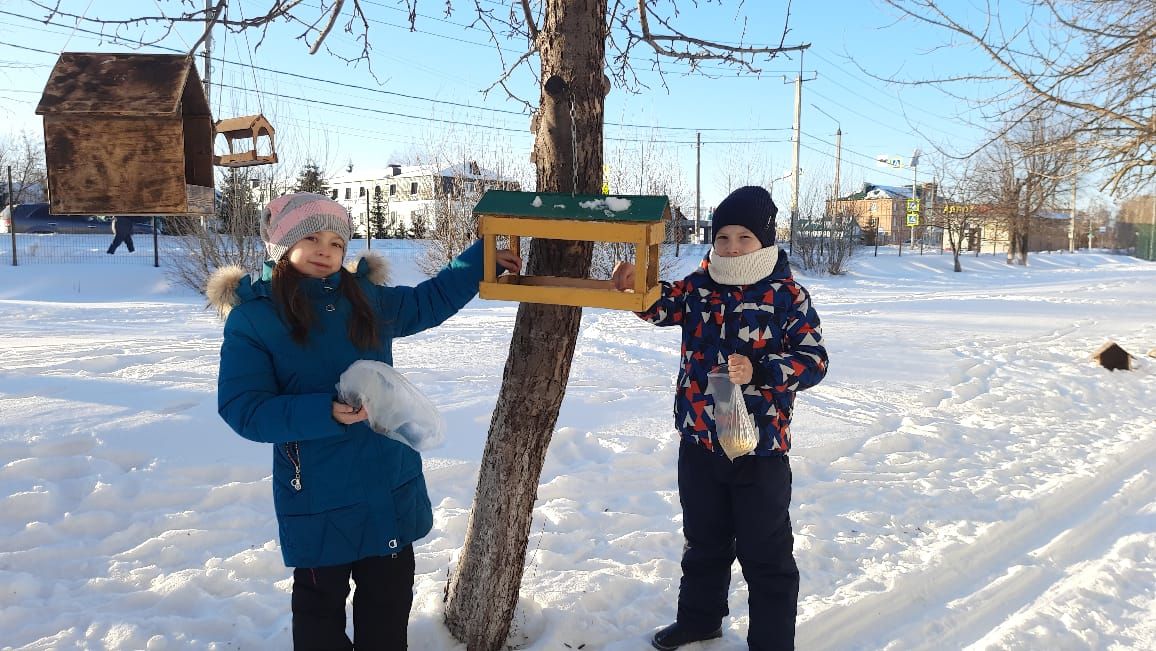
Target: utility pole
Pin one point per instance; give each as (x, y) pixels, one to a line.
(697, 185)
(797, 135)
(1089, 231)
(209, 19)
(914, 190)
(1072, 226)
(838, 160)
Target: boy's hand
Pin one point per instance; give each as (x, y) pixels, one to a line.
(509, 261)
(623, 276)
(740, 369)
(347, 415)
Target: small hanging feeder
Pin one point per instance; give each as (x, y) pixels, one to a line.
(255, 128)
(633, 219)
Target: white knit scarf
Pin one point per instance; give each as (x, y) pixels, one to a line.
(743, 269)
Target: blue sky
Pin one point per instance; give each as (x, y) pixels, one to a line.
(429, 82)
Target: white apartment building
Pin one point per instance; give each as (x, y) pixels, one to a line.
(411, 191)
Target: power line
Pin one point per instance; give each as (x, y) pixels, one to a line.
(222, 60)
(520, 114)
(872, 169)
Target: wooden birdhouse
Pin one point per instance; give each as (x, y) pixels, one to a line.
(127, 134)
(1112, 357)
(249, 139)
(633, 219)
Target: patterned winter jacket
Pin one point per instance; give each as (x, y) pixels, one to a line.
(341, 493)
(771, 322)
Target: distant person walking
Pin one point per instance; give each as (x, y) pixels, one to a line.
(122, 232)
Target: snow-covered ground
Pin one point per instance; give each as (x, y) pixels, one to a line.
(965, 477)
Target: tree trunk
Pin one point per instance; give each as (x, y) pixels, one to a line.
(483, 592)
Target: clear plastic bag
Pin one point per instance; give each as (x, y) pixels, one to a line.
(734, 425)
(396, 408)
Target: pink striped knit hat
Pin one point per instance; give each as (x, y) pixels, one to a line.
(290, 217)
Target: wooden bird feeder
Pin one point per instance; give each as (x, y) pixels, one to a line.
(254, 128)
(634, 219)
(127, 134)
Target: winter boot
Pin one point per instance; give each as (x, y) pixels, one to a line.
(676, 635)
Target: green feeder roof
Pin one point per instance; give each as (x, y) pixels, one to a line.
(583, 207)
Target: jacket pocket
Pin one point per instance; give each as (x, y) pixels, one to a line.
(412, 509)
(330, 475)
(323, 539)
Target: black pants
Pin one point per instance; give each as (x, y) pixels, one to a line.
(121, 237)
(737, 509)
(381, 604)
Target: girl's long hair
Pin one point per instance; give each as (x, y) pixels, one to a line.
(298, 313)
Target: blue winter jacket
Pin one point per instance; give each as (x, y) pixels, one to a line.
(771, 322)
(341, 493)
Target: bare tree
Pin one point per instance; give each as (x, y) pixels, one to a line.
(1020, 176)
(1089, 62)
(232, 239)
(24, 154)
(582, 47)
(739, 166)
(645, 166)
(1045, 161)
(959, 208)
(823, 237)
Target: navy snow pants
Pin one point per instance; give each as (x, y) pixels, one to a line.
(737, 509)
(381, 604)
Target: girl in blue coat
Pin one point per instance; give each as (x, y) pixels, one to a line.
(349, 502)
(742, 309)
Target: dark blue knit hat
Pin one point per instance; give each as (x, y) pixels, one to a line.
(751, 207)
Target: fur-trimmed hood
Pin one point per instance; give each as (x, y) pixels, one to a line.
(228, 286)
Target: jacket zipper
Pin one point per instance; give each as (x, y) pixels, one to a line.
(293, 453)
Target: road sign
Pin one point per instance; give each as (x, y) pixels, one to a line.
(913, 212)
(889, 161)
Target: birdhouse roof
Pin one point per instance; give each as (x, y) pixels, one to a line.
(1110, 345)
(582, 207)
(243, 124)
(124, 84)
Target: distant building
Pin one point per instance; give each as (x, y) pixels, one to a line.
(881, 213)
(1137, 226)
(410, 192)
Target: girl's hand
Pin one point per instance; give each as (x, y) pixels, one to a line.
(347, 415)
(740, 369)
(623, 276)
(509, 261)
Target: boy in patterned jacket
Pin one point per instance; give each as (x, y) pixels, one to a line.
(741, 308)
